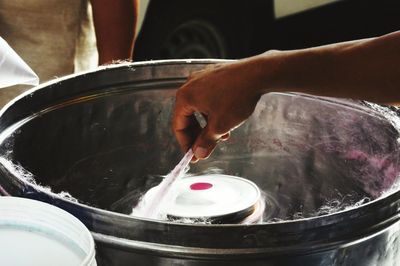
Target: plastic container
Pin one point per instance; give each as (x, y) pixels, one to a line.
(38, 234)
(13, 70)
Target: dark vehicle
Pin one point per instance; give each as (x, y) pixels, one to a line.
(236, 29)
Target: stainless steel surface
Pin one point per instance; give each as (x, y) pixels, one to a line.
(105, 138)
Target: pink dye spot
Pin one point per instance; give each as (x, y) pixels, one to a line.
(200, 186)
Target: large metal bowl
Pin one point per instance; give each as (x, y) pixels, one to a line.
(328, 167)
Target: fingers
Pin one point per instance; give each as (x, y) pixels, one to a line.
(185, 127)
(225, 136)
(205, 144)
(190, 134)
(194, 97)
(184, 123)
(187, 136)
(207, 141)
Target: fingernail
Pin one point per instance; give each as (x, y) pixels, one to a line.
(200, 152)
(194, 160)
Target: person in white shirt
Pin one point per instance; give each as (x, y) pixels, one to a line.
(58, 37)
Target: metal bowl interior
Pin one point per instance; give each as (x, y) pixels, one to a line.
(105, 138)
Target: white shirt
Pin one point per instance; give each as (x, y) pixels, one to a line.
(54, 37)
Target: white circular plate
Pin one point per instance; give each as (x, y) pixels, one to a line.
(209, 196)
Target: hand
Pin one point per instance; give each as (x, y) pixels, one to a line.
(225, 94)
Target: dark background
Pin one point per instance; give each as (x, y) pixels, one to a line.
(237, 29)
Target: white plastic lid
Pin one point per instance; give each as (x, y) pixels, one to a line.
(39, 234)
(209, 196)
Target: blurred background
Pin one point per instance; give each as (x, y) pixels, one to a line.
(57, 38)
(237, 29)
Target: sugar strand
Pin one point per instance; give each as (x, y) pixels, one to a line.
(161, 195)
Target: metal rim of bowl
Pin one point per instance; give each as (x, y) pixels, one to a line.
(333, 229)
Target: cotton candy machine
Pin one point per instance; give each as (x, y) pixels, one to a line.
(327, 169)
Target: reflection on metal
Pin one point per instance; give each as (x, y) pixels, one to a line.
(105, 137)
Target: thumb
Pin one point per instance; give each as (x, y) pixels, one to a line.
(205, 143)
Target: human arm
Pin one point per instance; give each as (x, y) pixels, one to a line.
(227, 94)
(115, 25)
